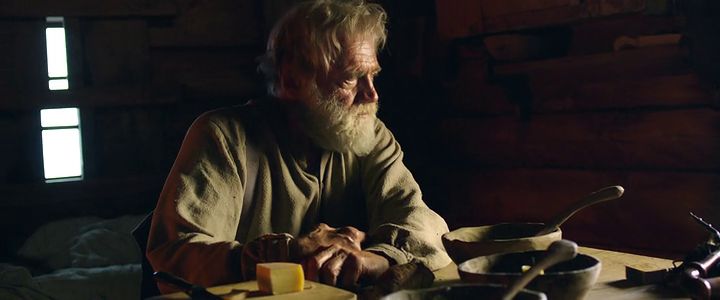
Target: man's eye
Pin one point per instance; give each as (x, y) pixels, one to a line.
(349, 82)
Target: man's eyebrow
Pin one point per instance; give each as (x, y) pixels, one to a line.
(355, 71)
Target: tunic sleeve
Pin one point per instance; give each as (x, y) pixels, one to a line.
(401, 225)
(196, 218)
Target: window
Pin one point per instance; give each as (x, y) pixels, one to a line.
(61, 142)
(61, 135)
(56, 54)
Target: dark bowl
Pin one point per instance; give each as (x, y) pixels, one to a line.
(567, 280)
(470, 242)
(463, 291)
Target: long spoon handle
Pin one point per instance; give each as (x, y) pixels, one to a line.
(559, 251)
(605, 194)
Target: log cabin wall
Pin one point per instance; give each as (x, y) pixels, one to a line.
(548, 101)
(506, 110)
(140, 72)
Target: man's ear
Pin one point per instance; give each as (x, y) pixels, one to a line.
(290, 86)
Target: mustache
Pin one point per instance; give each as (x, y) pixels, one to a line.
(363, 109)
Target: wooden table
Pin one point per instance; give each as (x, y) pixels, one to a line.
(313, 291)
(611, 283)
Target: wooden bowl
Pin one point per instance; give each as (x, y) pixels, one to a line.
(469, 242)
(463, 291)
(567, 280)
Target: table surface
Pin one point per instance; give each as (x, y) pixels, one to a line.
(313, 291)
(611, 283)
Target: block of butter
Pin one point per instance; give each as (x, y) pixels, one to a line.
(280, 278)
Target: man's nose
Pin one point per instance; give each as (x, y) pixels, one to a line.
(366, 90)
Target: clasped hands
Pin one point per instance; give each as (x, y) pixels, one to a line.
(334, 256)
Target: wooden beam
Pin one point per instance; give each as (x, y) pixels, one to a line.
(660, 140)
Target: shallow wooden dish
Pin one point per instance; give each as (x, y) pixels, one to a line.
(568, 280)
(470, 242)
(463, 291)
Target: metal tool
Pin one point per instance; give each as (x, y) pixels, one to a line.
(714, 232)
(196, 292)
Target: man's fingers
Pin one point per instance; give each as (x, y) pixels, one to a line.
(330, 270)
(346, 242)
(350, 274)
(313, 264)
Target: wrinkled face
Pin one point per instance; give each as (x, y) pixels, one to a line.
(342, 107)
(351, 79)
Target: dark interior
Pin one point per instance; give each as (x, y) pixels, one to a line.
(507, 111)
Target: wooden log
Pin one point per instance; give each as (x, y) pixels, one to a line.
(211, 23)
(118, 132)
(532, 19)
(467, 18)
(23, 63)
(661, 140)
(520, 47)
(557, 78)
(665, 91)
(493, 8)
(630, 64)
(475, 97)
(200, 73)
(21, 147)
(116, 52)
(459, 18)
(651, 217)
(597, 35)
(86, 8)
(588, 36)
(598, 8)
(75, 51)
(625, 42)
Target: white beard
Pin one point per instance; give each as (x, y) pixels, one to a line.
(335, 127)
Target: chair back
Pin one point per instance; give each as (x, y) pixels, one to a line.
(148, 287)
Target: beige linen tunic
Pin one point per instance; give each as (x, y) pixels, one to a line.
(198, 229)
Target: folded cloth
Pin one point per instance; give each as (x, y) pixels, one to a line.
(84, 242)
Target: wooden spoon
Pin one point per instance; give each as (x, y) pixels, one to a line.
(559, 251)
(605, 194)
